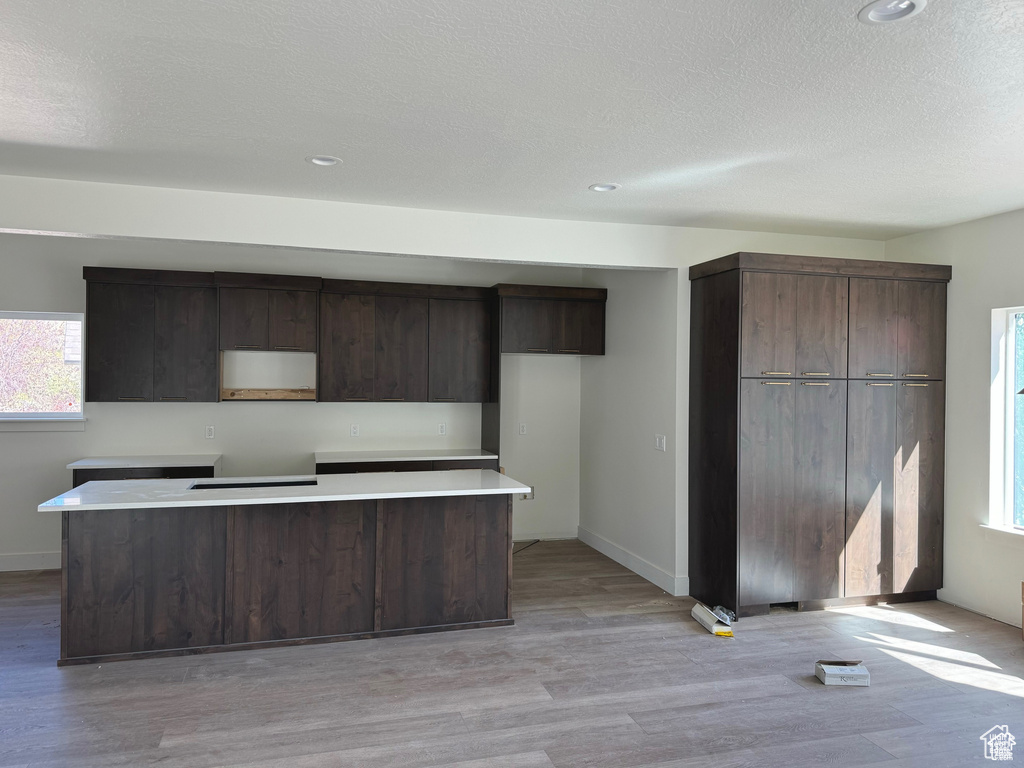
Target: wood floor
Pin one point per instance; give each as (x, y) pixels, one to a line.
(602, 669)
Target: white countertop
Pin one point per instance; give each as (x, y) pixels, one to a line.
(132, 462)
(152, 494)
(353, 457)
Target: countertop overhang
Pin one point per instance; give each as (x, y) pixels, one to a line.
(162, 494)
(144, 462)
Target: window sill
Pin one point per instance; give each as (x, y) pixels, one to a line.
(42, 425)
(1004, 533)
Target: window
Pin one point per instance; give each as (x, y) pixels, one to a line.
(1015, 415)
(40, 366)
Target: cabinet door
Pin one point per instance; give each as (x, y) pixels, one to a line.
(345, 361)
(768, 325)
(446, 561)
(918, 513)
(460, 351)
(578, 327)
(767, 491)
(400, 364)
(922, 330)
(870, 463)
(527, 325)
(292, 321)
(820, 495)
(185, 366)
(244, 318)
(874, 318)
(119, 342)
(822, 316)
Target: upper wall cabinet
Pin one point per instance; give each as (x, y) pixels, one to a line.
(150, 335)
(459, 355)
(793, 325)
(281, 317)
(921, 343)
(400, 348)
(347, 336)
(552, 320)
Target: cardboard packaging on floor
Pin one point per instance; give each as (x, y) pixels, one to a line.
(842, 672)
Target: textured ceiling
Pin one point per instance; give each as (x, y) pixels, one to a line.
(786, 116)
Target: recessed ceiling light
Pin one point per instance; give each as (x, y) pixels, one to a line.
(884, 11)
(606, 187)
(324, 160)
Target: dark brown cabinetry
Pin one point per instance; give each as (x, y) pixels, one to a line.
(347, 335)
(552, 320)
(119, 342)
(153, 340)
(816, 430)
(459, 355)
(425, 465)
(400, 349)
(262, 319)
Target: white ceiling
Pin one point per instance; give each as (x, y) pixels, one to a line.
(787, 115)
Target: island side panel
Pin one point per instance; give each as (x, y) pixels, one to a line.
(446, 561)
(302, 570)
(144, 580)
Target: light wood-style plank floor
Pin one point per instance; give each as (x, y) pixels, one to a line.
(601, 669)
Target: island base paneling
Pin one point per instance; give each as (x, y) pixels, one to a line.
(158, 582)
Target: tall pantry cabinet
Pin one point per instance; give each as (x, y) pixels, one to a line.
(816, 430)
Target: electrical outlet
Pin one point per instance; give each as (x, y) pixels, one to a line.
(659, 442)
(522, 428)
(442, 429)
(209, 432)
(354, 430)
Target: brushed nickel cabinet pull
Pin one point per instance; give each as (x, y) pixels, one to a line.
(391, 399)
(915, 385)
(881, 374)
(813, 373)
(445, 399)
(536, 349)
(357, 398)
(776, 373)
(173, 398)
(915, 375)
(132, 398)
(776, 383)
(815, 384)
(881, 384)
(569, 351)
(283, 347)
(247, 346)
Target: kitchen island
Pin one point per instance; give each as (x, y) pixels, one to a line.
(169, 567)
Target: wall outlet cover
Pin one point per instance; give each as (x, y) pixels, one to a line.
(354, 430)
(522, 428)
(659, 443)
(442, 429)
(210, 432)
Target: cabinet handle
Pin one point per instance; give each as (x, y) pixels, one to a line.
(132, 398)
(287, 347)
(915, 375)
(776, 373)
(173, 398)
(882, 384)
(391, 399)
(357, 398)
(247, 346)
(915, 385)
(776, 383)
(881, 374)
(569, 351)
(815, 384)
(813, 373)
(536, 349)
(445, 399)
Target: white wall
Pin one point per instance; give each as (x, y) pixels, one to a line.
(630, 505)
(983, 568)
(542, 392)
(509, 245)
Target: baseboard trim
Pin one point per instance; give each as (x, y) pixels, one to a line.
(678, 586)
(30, 561)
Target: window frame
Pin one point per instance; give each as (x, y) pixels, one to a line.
(49, 417)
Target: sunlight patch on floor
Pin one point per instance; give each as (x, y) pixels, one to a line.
(890, 616)
(996, 682)
(927, 649)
